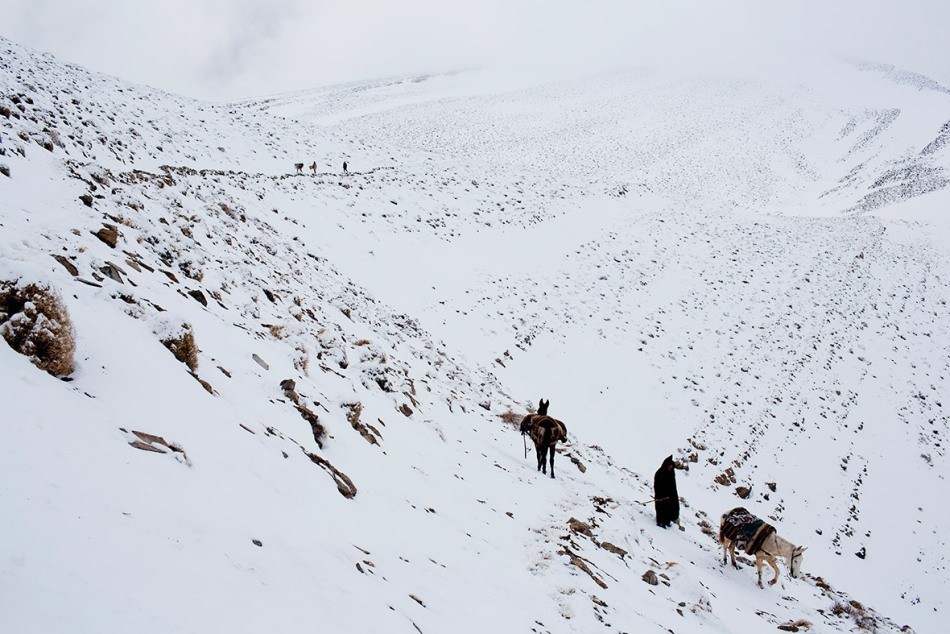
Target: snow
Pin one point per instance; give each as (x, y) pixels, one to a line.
(712, 267)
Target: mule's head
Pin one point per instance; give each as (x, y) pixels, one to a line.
(795, 562)
(543, 407)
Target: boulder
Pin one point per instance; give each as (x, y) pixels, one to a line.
(108, 234)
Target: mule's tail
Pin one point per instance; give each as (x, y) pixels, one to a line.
(546, 432)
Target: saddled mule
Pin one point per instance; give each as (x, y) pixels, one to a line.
(545, 433)
(739, 527)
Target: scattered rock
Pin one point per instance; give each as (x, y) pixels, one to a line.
(138, 444)
(353, 414)
(150, 442)
(343, 483)
(795, 626)
(577, 463)
(69, 266)
(199, 296)
(288, 385)
(108, 234)
(87, 201)
(319, 431)
(581, 563)
(650, 577)
(257, 542)
(771, 486)
(204, 384)
(726, 478)
(580, 527)
(260, 362)
(861, 554)
(406, 410)
(113, 272)
(744, 492)
(617, 550)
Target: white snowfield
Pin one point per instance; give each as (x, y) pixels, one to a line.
(750, 274)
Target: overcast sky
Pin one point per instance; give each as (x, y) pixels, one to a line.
(229, 49)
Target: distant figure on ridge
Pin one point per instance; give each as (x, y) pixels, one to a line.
(345, 170)
(313, 168)
(299, 167)
(665, 498)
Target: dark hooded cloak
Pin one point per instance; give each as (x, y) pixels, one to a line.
(664, 492)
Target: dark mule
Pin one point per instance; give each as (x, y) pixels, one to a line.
(545, 432)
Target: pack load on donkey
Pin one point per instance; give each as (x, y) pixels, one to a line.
(745, 529)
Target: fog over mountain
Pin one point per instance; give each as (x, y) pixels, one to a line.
(226, 49)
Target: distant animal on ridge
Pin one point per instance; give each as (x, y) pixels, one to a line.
(739, 527)
(665, 497)
(299, 167)
(313, 168)
(346, 168)
(545, 432)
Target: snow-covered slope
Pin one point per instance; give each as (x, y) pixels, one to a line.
(682, 265)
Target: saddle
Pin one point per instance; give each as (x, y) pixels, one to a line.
(748, 531)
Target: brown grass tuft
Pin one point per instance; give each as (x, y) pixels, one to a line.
(511, 417)
(184, 348)
(34, 321)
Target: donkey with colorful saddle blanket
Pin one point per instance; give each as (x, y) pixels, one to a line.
(741, 528)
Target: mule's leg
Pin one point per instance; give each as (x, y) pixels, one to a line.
(775, 568)
(758, 567)
(551, 451)
(540, 451)
(725, 551)
(732, 554)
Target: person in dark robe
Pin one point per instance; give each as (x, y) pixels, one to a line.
(666, 499)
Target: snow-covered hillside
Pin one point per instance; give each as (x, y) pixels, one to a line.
(751, 275)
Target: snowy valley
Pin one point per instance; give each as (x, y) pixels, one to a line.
(296, 395)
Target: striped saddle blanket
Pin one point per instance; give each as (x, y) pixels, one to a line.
(744, 528)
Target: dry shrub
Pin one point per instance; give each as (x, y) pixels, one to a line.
(858, 613)
(34, 321)
(511, 417)
(184, 347)
(302, 360)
